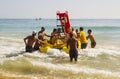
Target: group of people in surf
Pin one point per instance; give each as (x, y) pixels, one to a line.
(71, 40)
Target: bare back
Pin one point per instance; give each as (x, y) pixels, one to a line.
(91, 38)
(30, 40)
(72, 42)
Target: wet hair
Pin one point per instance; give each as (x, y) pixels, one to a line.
(59, 30)
(54, 30)
(72, 29)
(76, 30)
(71, 35)
(42, 28)
(89, 30)
(81, 28)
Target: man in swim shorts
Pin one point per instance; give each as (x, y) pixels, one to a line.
(73, 44)
(29, 41)
(91, 37)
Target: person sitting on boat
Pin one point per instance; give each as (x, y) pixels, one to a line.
(42, 33)
(59, 33)
(73, 52)
(53, 36)
(92, 39)
(59, 37)
(83, 38)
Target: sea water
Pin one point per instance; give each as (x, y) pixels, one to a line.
(101, 62)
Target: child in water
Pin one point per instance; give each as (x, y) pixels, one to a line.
(90, 36)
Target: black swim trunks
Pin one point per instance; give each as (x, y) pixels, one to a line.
(29, 49)
(73, 53)
(36, 48)
(83, 45)
(93, 44)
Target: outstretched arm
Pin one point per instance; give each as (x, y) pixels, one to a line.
(47, 35)
(40, 41)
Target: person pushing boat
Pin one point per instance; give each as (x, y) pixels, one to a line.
(73, 44)
(42, 33)
(32, 43)
(92, 39)
(83, 38)
(29, 41)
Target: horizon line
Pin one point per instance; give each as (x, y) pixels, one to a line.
(56, 18)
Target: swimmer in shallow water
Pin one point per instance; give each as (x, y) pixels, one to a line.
(92, 39)
(72, 42)
(32, 43)
(29, 41)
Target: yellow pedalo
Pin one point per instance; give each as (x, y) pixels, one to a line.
(44, 48)
(58, 45)
(65, 49)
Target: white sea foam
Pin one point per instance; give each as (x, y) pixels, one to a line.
(10, 46)
(97, 51)
(56, 52)
(74, 68)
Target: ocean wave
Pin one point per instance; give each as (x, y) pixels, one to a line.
(33, 64)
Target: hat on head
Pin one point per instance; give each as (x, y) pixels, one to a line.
(34, 32)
